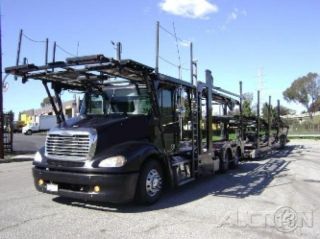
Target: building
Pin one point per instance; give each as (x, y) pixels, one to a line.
(26, 116)
(70, 109)
(301, 117)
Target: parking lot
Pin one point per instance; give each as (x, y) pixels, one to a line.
(276, 197)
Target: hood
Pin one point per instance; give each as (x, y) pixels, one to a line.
(93, 122)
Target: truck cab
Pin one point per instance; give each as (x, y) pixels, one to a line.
(138, 131)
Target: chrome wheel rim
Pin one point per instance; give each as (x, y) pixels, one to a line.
(153, 182)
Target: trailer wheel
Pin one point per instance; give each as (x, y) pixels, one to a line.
(150, 184)
(224, 161)
(237, 157)
(29, 132)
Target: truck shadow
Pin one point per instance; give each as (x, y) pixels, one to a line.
(251, 178)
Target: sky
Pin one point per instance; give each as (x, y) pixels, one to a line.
(267, 44)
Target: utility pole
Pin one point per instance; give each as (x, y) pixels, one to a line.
(191, 64)
(269, 120)
(261, 85)
(157, 47)
(118, 51)
(258, 119)
(241, 113)
(1, 99)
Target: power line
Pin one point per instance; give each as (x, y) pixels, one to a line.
(35, 41)
(168, 62)
(170, 33)
(173, 64)
(177, 39)
(65, 51)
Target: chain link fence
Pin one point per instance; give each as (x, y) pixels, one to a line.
(304, 126)
(8, 128)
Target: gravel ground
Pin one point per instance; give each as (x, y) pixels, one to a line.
(278, 197)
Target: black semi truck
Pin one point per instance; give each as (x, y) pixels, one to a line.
(138, 130)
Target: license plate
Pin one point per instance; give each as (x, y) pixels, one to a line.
(52, 187)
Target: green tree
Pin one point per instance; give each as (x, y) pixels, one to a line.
(285, 110)
(46, 101)
(315, 106)
(246, 104)
(265, 107)
(305, 90)
(274, 111)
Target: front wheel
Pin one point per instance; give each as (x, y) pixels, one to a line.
(29, 132)
(150, 184)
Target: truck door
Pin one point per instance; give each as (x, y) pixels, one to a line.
(168, 119)
(183, 112)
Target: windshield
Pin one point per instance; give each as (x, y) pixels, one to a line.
(129, 99)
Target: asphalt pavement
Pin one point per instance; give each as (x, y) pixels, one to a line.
(28, 143)
(277, 197)
(24, 147)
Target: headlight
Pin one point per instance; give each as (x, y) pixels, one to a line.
(113, 162)
(37, 157)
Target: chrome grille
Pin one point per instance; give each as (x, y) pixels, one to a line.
(68, 146)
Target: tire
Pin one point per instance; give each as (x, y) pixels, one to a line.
(237, 157)
(29, 132)
(150, 184)
(224, 161)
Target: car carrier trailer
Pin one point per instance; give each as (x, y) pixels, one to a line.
(138, 130)
(262, 136)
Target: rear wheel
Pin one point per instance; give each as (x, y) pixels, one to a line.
(29, 132)
(150, 184)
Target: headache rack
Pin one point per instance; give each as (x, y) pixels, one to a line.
(80, 72)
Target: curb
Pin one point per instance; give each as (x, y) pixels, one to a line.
(18, 158)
